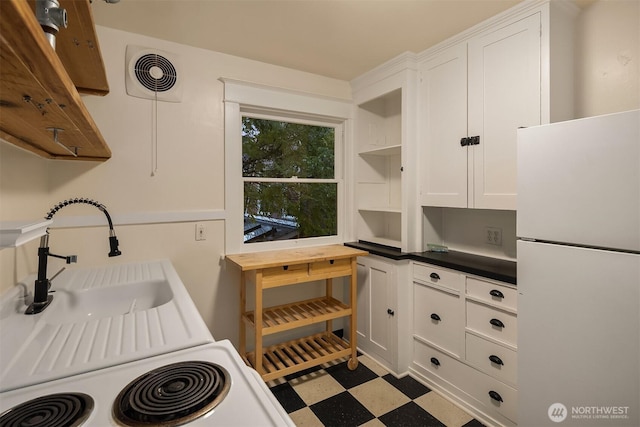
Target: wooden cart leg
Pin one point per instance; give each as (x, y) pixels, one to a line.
(258, 324)
(329, 294)
(243, 308)
(353, 286)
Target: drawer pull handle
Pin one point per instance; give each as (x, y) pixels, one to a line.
(497, 323)
(434, 276)
(390, 312)
(285, 267)
(495, 396)
(435, 317)
(435, 361)
(495, 359)
(496, 293)
(332, 261)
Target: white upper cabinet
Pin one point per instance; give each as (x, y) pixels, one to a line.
(504, 94)
(443, 162)
(475, 91)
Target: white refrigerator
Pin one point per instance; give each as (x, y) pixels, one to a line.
(578, 227)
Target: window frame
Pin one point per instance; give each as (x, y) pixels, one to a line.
(247, 99)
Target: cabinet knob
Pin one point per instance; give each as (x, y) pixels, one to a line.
(390, 312)
(496, 293)
(434, 276)
(495, 396)
(497, 323)
(285, 267)
(495, 359)
(435, 361)
(331, 261)
(435, 317)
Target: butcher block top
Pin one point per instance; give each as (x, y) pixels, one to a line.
(268, 259)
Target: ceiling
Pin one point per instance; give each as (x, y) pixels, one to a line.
(341, 39)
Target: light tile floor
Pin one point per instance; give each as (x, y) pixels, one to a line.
(331, 395)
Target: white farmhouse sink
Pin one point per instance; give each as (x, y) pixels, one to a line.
(99, 317)
(86, 305)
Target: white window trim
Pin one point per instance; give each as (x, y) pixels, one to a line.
(247, 98)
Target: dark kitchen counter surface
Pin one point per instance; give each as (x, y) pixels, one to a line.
(490, 268)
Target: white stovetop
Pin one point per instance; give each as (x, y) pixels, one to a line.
(45, 346)
(248, 403)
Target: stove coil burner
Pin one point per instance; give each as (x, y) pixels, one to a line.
(53, 410)
(172, 395)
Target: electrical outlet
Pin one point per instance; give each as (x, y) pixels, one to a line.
(493, 236)
(201, 232)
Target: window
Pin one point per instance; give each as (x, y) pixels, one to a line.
(290, 187)
(284, 171)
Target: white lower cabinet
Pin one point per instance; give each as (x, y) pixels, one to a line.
(469, 355)
(378, 314)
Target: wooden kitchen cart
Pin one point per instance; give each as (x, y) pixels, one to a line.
(289, 267)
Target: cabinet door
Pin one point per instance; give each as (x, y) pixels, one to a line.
(376, 308)
(504, 94)
(443, 98)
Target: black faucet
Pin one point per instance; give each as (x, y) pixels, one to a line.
(41, 297)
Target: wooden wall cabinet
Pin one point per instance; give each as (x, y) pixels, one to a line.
(39, 86)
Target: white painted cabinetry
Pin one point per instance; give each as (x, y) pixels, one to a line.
(383, 310)
(475, 92)
(464, 341)
(384, 142)
(377, 324)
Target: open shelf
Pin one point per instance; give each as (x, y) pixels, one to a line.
(388, 209)
(38, 93)
(297, 314)
(392, 150)
(295, 355)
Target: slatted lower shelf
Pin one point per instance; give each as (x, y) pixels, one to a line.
(300, 313)
(295, 355)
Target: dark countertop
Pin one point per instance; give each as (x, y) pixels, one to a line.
(490, 268)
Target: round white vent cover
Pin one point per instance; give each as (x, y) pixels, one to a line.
(153, 74)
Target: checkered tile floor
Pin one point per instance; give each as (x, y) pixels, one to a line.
(332, 395)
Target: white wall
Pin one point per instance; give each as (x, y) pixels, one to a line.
(608, 58)
(159, 211)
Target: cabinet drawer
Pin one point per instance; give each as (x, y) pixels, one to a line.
(493, 394)
(493, 323)
(494, 359)
(439, 363)
(439, 276)
(438, 317)
(333, 268)
(492, 293)
(286, 274)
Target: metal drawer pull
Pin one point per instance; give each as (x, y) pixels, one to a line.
(435, 361)
(496, 293)
(332, 261)
(390, 312)
(495, 396)
(434, 276)
(497, 323)
(285, 267)
(495, 359)
(435, 317)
